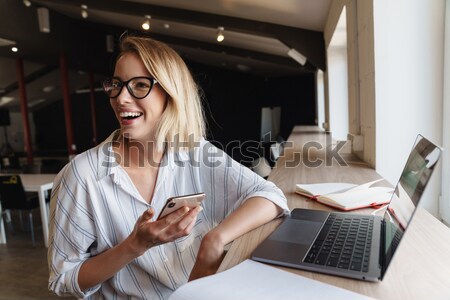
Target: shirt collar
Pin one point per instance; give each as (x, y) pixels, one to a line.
(107, 163)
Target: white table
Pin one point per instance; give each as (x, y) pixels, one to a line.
(39, 183)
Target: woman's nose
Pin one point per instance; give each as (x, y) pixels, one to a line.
(124, 96)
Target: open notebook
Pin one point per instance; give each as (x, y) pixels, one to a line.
(346, 196)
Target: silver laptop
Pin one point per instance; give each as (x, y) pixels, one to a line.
(352, 245)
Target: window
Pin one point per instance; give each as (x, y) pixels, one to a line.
(338, 80)
(444, 205)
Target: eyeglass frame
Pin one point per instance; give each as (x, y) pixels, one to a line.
(152, 80)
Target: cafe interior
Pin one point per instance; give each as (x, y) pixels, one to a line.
(263, 67)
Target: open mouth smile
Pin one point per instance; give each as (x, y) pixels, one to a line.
(130, 115)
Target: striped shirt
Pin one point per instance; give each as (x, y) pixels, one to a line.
(95, 206)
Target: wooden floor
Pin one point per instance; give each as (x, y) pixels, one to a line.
(23, 269)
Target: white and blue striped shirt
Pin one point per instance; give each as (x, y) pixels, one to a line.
(95, 206)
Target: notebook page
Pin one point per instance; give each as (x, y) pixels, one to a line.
(254, 280)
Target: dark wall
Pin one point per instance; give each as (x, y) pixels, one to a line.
(232, 102)
(51, 128)
(297, 97)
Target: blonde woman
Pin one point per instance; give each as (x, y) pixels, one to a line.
(105, 239)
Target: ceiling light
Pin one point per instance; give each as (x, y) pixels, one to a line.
(166, 25)
(43, 19)
(14, 49)
(220, 36)
(84, 12)
(146, 24)
(36, 102)
(48, 88)
(27, 3)
(5, 100)
(85, 91)
(243, 68)
(5, 42)
(297, 56)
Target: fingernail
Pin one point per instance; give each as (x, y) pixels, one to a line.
(199, 208)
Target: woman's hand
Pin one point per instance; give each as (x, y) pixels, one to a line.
(148, 233)
(210, 255)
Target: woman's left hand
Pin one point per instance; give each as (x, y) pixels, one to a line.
(210, 255)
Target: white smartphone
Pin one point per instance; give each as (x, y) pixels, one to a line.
(174, 203)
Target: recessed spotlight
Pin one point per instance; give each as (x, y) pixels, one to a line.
(166, 25)
(27, 3)
(14, 49)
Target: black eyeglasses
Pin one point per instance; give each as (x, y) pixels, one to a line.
(138, 87)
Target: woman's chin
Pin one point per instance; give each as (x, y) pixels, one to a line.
(133, 135)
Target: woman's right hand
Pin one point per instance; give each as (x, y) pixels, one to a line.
(148, 233)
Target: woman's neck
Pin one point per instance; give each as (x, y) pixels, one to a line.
(138, 154)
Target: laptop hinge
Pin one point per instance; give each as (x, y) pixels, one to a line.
(382, 256)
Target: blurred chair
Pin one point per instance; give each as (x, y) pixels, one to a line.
(277, 149)
(14, 197)
(261, 167)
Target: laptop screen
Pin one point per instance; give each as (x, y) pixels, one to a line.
(413, 180)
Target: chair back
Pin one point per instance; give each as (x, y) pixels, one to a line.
(12, 193)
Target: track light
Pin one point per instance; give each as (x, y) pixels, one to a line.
(297, 56)
(220, 36)
(84, 12)
(146, 24)
(43, 19)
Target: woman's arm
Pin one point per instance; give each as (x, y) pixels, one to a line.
(146, 234)
(252, 213)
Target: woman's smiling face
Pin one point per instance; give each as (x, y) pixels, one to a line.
(138, 118)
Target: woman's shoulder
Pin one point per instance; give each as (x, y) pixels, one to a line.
(79, 166)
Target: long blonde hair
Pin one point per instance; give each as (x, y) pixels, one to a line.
(183, 122)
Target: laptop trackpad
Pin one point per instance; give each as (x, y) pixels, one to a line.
(297, 231)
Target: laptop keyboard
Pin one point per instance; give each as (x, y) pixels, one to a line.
(344, 242)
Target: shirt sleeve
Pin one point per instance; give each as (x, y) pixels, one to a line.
(230, 184)
(72, 231)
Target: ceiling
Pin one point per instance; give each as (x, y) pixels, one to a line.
(258, 35)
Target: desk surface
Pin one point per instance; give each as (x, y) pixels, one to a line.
(421, 266)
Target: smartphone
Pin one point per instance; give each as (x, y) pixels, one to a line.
(174, 203)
